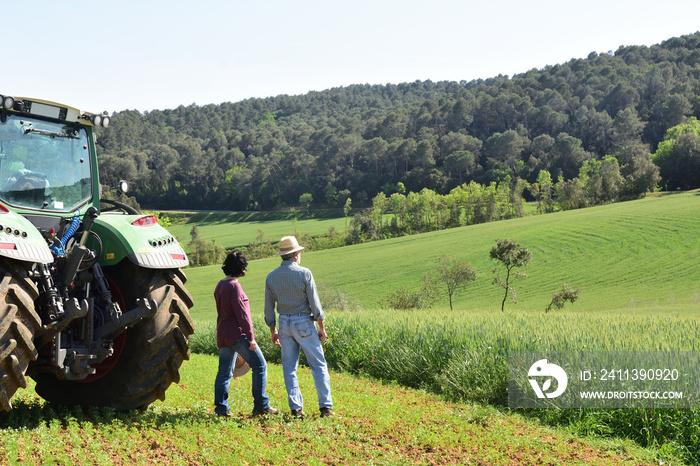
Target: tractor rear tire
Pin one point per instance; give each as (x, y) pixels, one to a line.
(153, 351)
(19, 323)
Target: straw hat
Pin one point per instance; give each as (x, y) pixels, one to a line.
(241, 367)
(288, 245)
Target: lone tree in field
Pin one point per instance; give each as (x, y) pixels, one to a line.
(559, 298)
(451, 276)
(511, 255)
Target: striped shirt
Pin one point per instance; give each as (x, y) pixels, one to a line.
(293, 289)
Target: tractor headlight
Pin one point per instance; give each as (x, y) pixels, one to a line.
(6, 101)
(97, 120)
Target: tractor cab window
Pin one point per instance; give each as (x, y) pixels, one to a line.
(43, 165)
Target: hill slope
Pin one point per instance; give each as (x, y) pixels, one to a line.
(634, 256)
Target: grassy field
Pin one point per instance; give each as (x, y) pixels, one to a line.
(636, 264)
(379, 424)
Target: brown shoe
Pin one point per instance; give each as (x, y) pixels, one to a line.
(272, 411)
(327, 412)
(298, 413)
(224, 416)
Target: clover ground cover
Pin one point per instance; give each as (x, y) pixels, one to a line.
(381, 424)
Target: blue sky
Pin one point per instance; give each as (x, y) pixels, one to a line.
(157, 54)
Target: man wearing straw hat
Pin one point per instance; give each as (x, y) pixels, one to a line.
(292, 289)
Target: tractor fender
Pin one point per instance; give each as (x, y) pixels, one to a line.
(150, 246)
(20, 240)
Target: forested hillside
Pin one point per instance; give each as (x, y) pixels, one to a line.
(606, 113)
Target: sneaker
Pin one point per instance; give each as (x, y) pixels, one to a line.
(327, 412)
(224, 416)
(272, 411)
(298, 413)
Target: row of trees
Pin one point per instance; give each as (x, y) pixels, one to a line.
(361, 140)
(598, 181)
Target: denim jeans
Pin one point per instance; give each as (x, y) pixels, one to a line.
(299, 332)
(258, 368)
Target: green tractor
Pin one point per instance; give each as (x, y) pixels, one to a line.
(93, 305)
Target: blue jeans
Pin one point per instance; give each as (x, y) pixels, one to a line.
(299, 332)
(258, 367)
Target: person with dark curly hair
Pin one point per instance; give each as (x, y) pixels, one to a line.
(234, 336)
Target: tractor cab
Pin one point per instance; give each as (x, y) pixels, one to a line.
(44, 165)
